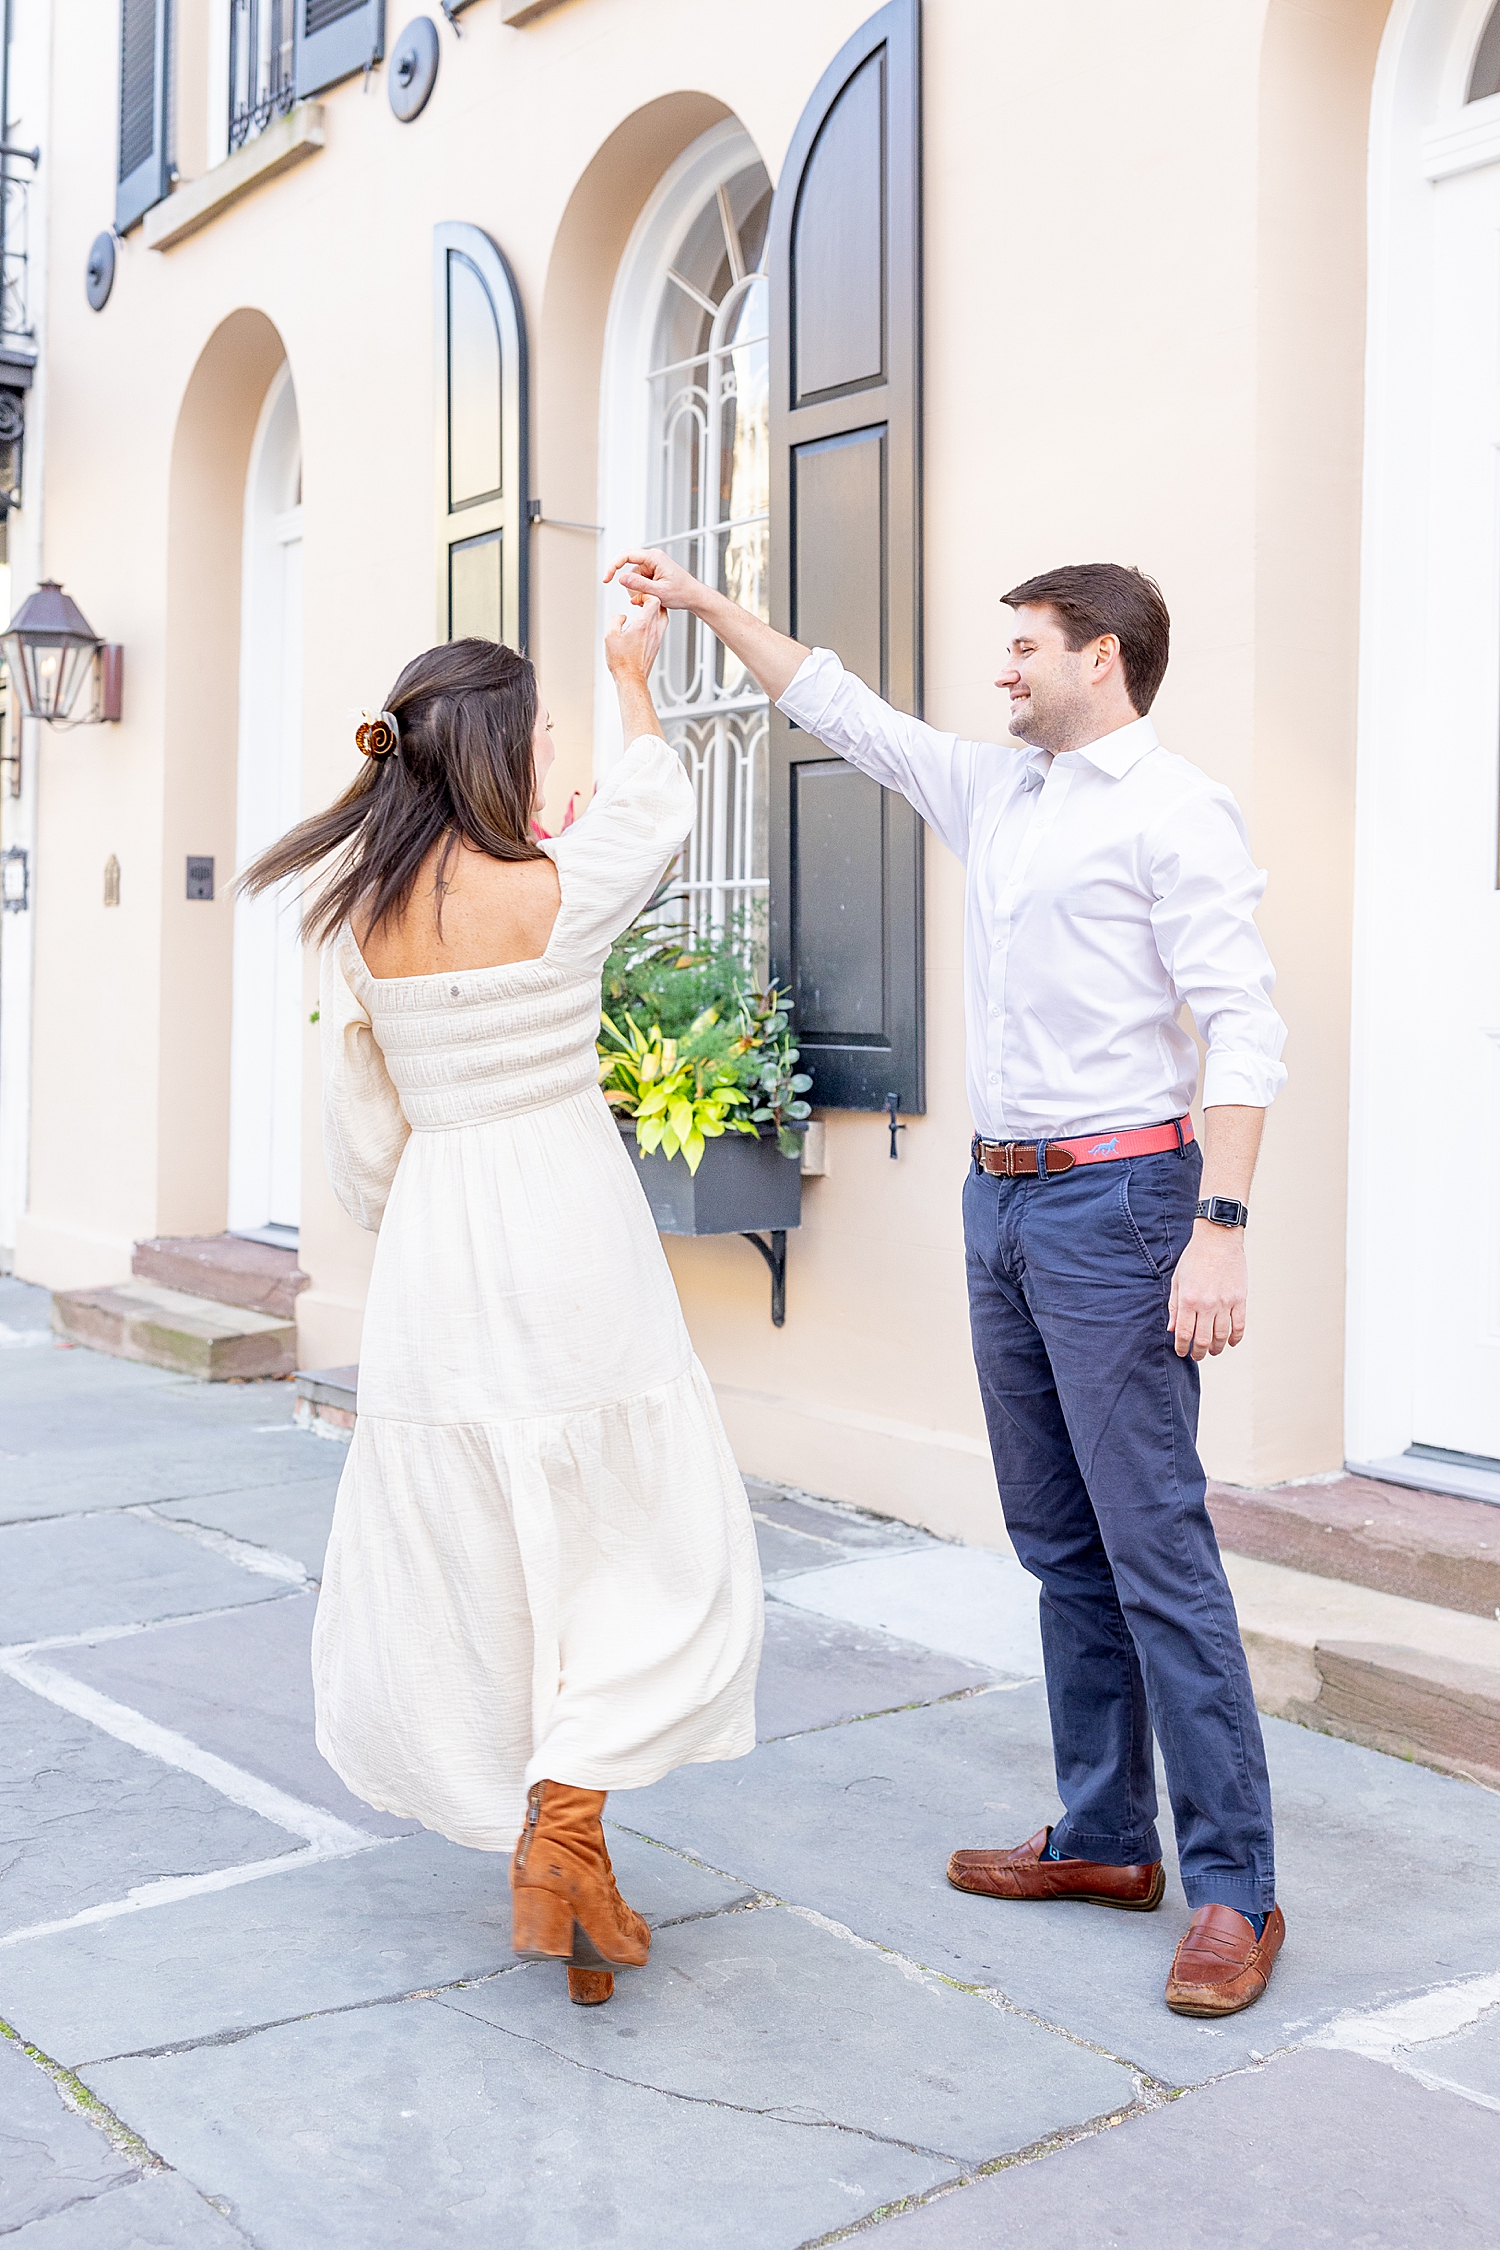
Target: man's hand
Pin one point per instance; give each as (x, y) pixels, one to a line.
(1207, 1307)
(646, 571)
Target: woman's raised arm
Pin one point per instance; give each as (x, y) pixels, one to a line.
(631, 646)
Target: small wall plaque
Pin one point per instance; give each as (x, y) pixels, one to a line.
(111, 881)
(200, 877)
(15, 867)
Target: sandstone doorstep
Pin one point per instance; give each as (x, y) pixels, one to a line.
(1433, 1709)
(191, 1335)
(1428, 1546)
(254, 1275)
(1401, 1676)
(326, 1401)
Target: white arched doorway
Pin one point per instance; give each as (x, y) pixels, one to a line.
(1424, 1303)
(265, 1133)
(685, 465)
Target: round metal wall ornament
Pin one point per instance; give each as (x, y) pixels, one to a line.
(413, 68)
(100, 278)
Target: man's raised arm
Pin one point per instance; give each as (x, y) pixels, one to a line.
(933, 771)
(773, 659)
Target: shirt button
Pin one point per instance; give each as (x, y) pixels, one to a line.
(453, 992)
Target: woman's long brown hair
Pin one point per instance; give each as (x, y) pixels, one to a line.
(463, 773)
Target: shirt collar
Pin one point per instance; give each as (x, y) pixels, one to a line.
(1116, 753)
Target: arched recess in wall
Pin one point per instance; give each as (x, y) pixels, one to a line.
(566, 597)
(211, 452)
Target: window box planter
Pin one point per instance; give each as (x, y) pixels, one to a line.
(742, 1186)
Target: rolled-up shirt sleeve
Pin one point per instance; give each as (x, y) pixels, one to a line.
(932, 770)
(1206, 888)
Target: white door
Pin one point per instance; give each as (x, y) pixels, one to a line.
(1452, 1171)
(265, 1131)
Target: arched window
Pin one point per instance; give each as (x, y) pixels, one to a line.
(1484, 78)
(687, 468)
(482, 466)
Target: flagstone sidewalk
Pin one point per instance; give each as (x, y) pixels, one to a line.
(242, 2008)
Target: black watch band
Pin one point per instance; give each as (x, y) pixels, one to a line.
(1223, 1211)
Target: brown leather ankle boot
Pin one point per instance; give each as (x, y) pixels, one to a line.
(564, 1902)
(590, 1988)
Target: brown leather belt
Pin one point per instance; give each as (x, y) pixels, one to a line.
(1017, 1160)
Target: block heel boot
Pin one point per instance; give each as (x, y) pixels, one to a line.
(565, 1905)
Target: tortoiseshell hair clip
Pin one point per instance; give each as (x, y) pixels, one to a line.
(379, 736)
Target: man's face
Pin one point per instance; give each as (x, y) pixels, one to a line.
(1046, 681)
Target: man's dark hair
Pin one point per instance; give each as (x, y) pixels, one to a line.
(1095, 598)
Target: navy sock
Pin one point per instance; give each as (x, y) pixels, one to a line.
(1052, 1851)
(1257, 1922)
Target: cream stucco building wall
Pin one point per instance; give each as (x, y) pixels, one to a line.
(1144, 333)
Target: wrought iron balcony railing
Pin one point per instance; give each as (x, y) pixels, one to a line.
(260, 66)
(15, 211)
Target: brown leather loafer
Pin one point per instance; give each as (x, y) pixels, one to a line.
(1221, 1965)
(1023, 1873)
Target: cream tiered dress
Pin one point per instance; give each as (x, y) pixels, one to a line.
(542, 1564)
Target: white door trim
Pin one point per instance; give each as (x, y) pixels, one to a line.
(264, 1098)
(1420, 128)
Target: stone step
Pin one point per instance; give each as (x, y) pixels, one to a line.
(169, 1328)
(326, 1401)
(253, 1275)
(1429, 1546)
(1406, 1677)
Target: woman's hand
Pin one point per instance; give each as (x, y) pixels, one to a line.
(630, 650)
(633, 640)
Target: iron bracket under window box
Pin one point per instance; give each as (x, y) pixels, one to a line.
(742, 1186)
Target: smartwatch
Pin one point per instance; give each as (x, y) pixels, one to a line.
(1223, 1211)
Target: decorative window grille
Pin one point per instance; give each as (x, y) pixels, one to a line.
(709, 506)
(15, 197)
(261, 74)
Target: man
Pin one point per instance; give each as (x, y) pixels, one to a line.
(1107, 883)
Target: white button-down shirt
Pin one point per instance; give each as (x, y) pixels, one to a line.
(1104, 888)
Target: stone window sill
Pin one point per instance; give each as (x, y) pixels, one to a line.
(286, 141)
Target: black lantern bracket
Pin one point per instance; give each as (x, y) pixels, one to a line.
(774, 1253)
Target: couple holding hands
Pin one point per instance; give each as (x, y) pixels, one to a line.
(542, 1581)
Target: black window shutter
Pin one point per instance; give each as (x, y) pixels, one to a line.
(334, 39)
(142, 175)
(482, 433)
(846, 315)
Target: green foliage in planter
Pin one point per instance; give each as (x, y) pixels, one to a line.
(679, 1091)
(719, 1042)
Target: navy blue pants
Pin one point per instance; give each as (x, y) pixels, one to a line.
(1093, 1422)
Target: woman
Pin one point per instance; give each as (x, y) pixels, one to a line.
(542, 1581)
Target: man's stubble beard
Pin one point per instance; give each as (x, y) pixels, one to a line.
(1054, 726)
